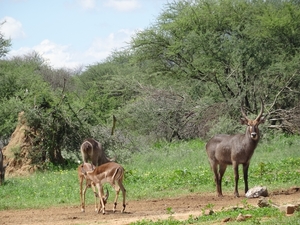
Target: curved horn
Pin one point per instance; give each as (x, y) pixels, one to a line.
(243, 113)
(261, 110)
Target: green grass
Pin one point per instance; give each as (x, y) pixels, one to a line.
(40, 190)
(164, 170)
(267, 216)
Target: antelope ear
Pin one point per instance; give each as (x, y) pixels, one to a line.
(244, 121)
(82, 170)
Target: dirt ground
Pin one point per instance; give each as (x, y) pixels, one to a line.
(154, 210)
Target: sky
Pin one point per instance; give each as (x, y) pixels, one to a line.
(74, 33)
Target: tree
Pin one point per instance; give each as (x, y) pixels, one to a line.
(231, 49)
(51, 112)
(4, 43)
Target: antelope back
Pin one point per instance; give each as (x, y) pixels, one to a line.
(109, 171)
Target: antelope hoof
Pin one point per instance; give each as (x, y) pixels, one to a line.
(82, 210)
(237, 195)
(115, 206)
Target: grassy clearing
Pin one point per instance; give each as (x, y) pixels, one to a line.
(164, 170)
(267, 216)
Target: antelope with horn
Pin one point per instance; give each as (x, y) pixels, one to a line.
(112, 173)
(88, 183)
(223, 150)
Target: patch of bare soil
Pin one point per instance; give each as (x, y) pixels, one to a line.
(182, 208)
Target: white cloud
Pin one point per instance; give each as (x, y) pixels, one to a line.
(87, 4)
(101, 48)
(55, 55)
(12, 28)
(123, 5)
(59, 56)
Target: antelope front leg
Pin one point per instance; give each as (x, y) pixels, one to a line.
(217, 179)
(96, 195)
(236, 179)
(81, 197)
(222, 169)
(245, 170)
(101, 203)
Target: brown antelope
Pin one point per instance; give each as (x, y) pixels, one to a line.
(223, 150)
(112, 173)
(88, 183)
(93, 151)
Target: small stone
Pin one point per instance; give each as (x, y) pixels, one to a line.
(263, 202)
(257, 192)
(208, 212)
(240, 218)
(288, 209)
(227, 219)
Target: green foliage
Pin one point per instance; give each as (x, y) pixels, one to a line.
(224, 126)
(106, 86)
(54, 125)
(182, 78)
(54, 129)
(234, 47)
(20, 86)
(4, 43)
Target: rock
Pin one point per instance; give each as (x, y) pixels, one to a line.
(247, 216)
(257, 192)
(240, 218)
(288, 209)
(227, 219)
(208, 212)
(263, 202)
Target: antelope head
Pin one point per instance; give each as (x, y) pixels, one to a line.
(88, 166)
(252, 128)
